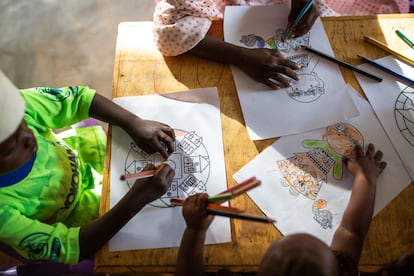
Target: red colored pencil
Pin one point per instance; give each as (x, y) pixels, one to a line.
(239, 186)
(143, 174)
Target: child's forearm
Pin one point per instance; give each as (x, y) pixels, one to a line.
(190, 255)
(107, 111)
(349, 237)
(95, 234)
(218, 50)
(358, 214)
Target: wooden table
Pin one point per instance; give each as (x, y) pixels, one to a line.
(140, 69)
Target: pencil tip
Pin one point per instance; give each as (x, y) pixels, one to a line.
(123, 177)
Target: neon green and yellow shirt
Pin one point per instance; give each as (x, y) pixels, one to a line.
(42, 211)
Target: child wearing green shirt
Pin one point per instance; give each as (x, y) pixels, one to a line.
(48, 207)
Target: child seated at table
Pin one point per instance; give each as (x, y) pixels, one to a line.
(181, 26)
(299, 254)
(49, 200)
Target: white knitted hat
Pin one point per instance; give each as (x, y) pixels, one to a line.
(12, 108)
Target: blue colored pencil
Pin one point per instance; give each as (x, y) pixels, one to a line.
(387, 70)
(304, 10)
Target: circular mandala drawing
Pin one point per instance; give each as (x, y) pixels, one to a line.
(404, 114)
(190, 161)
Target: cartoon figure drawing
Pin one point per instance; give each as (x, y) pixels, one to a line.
(286, 45)
(323, 217)
(252, 40)
(276, 41)
(310, 87)
(404, 113)
(190, 160)
(305, 172)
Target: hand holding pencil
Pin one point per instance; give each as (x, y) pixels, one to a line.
(301, 18)
(150, 189)
(195, 213)
(212, 204)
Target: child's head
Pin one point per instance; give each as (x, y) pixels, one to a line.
(17, 143)
(299, 254)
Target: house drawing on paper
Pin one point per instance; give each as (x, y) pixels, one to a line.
(305, 172)
(311, 86)
(404, 114)
(190, 160)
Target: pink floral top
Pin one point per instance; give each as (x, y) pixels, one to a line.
(179, 25)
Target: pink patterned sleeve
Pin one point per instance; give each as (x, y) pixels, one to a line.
(358, 7)
(181, 24)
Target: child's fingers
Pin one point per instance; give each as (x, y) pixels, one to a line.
(370, 150)
(378, 155)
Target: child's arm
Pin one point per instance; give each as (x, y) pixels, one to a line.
(349, 237)
(94, 235)
(151, 136)
(190, 255)
(264, 65)
(306, 23)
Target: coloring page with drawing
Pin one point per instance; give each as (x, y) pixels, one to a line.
(198, 162)
(306, 186)
(316, 100)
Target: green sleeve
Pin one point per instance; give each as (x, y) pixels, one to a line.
(35, 240)
(58, 107)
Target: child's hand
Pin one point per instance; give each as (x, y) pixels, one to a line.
(369, 165)
(195, 213)
(150, 189)
(153, 137)
(268, 66)
(306, 23)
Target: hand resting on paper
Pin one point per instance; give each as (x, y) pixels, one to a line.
(267, 66)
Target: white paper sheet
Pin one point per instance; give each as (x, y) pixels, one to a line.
(313, 102)
(317, 209)
(393, 102)
(198, 161)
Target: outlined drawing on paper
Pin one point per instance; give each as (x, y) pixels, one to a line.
(190, 161)
(305, 172)
(252, 41)
(404, 114)
(276, 41)
(322, 216)
(311, 86)
(287, 45)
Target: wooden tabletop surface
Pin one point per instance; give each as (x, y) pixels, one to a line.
(140, 70)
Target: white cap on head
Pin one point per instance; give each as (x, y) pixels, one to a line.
(12, 108)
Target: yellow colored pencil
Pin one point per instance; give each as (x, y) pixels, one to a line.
(388, 49)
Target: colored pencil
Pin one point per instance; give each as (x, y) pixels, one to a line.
(239, 216)
(387, 70)
(239, 186)
(143, 174)
(304, 10)
(343, 63)
(220, 198)
(180, 202)
(406, 39)
(383, 46)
